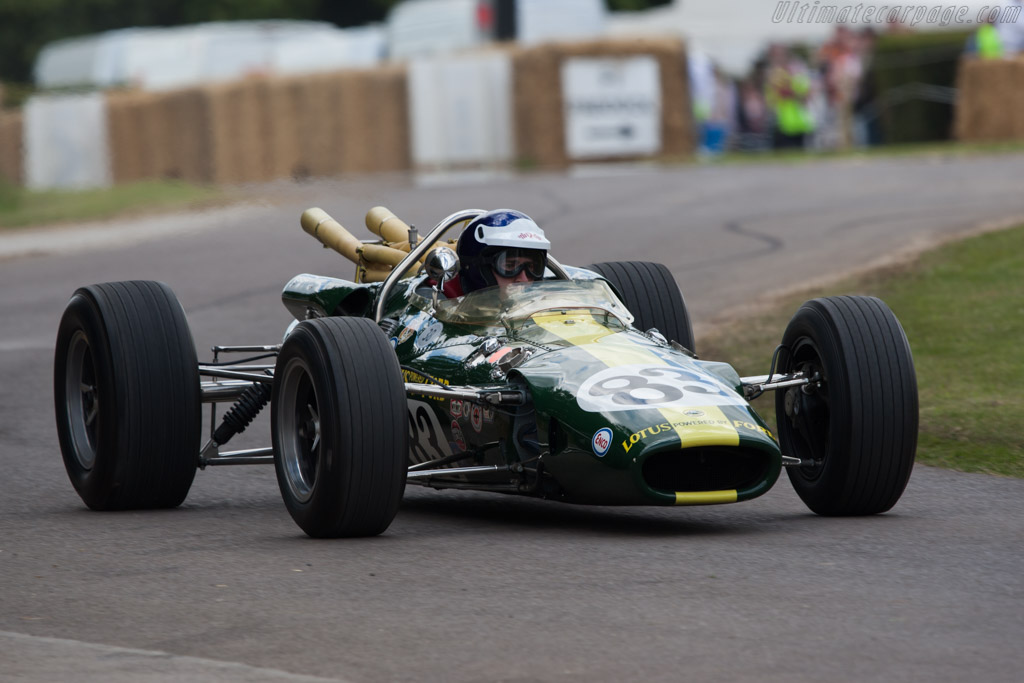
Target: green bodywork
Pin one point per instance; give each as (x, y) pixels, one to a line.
(614, 417)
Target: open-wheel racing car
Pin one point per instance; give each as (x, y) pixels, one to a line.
(581, 387)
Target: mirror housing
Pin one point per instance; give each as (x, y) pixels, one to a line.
(442, 265)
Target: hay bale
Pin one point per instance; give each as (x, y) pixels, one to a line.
(537, 88)
(372, 111)
(12, 169)
(963, 111)
(1015, 106)
(996, 100)
(313, 114)
(990, 100)
(539, 125)
(282, 145)
(234, 125)
(188, 137)
(130, 148)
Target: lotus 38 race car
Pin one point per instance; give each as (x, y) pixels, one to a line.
(581, 387)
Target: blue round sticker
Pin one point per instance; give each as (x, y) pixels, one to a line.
(602, 441)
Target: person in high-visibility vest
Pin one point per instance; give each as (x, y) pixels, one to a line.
(987, 43)
(787, 91)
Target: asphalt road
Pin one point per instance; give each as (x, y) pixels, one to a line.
(467, 587)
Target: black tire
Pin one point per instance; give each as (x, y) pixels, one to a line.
(126, 396)
(651, 294)
(861, 423)
(342, 475)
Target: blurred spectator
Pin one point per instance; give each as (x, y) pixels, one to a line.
(721, 121)
(751, 116)
(842, 64)
(867, 129)
(702, 85)
(786, 92)
(986, 43)
(1011, 33)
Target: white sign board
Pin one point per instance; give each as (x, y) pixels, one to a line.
(460, 110)
(66, 142)
(612, 106)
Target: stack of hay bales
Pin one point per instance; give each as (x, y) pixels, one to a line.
(236, 127)
(263, 128)
(373, 120)
(11, 150)
(990, 100)
(537, 91)
(159, 135)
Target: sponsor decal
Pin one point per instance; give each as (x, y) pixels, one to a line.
(602, 441)
(476, 418)
(417, 378)
(752, 427)
(456, 408)
(647, 432)
(457, 435)
(693, 412)
(405, 334)
(630, 387)
(636, 437)
(394, 342)
(488, 414)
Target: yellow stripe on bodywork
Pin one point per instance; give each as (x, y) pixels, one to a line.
(581, 330)
(705, 497)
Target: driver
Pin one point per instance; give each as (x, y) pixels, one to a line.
(501, 247)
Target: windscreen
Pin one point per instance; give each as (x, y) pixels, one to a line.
(519, 301)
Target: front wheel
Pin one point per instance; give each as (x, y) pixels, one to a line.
(858, 420)
(127, 398)
(340, 439)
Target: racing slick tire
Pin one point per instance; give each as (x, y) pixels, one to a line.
(859, 423)
(651, 294)
(338, 425)
(127, 397)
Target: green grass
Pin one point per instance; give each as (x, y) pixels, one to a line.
(948, 148)
(962, 307)
(23, 208)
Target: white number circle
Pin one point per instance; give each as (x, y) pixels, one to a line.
(633, 387)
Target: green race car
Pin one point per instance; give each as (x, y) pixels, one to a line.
(581, 387)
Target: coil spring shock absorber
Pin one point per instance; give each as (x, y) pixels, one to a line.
(236, 419)
(241, 415)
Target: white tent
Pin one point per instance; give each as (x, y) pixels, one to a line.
(165, 58)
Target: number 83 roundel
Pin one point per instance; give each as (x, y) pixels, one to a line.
(633, 387)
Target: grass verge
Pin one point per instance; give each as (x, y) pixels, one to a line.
(943, 149)
(22, 208)
(962, 307)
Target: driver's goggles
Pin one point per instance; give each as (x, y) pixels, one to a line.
(511, 262)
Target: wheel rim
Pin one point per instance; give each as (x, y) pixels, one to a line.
(299, 429)
(82, 400)
(811, 421)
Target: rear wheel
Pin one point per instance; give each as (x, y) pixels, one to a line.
(651, 294)
(338, 412)
(126, 396)
(858, 420)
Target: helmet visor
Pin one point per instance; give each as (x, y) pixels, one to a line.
(512, 261)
